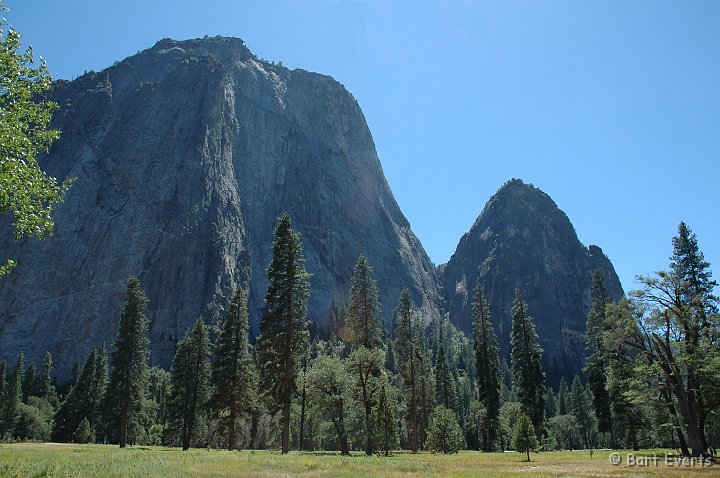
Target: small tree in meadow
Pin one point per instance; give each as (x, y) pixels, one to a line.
(524, 436)
(444, 432)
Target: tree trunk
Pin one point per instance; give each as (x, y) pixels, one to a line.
(368, 429)
(302, 409)
(123, 428)
(231, 428)
(286, 427)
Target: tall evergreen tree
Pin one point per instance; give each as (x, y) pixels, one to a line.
(284, 333)
(100, 383)
(407, 352)
(550, 403)
(190, 385)
(563, 398)
(363, 312)
(28, 386)
(79, 403)
(129, 365)
(528, 377)
(445, 389)
(386, 429)
(10, 407)
(3, 382)
(45, 380)
(580, 407)
(365, 365)
(234, 375)
(595, 368)
(487, 366)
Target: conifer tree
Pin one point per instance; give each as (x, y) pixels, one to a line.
(363, 313)
(550, 403)
(45, 380)
(284, 333)
(28, 386)
(365, 365)
(487, 366)
(407, 352)
(129, 365)
(387, 438)
(562, 397)
(234, 375)
(445, 390)
(524, 437)
(190, 382)
(99, 387)
(580, 406)
(3, 382)
(10, 407)
(528, 377)
(79, 404)
(595, 368)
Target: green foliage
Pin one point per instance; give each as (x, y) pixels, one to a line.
(26, 191)
(83, 433)
(487, 366)
(3, 380)
(562, 398)
(444, 432)
(408, 351)
(523, 437)
(126, 390)
(445, 390)
(580, 407)
(565, 432)
(330, 387)
(28, 386)
(190, 386)
(44, 383)
(363, 312)
(234, 376)
(10, 405)
(528, 377)
(386, 430)
(284, 334)
(366, 367)
(32, 423)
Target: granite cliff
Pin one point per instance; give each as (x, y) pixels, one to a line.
(523, 240)
(185, 156)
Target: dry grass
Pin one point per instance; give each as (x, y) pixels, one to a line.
(56, 460)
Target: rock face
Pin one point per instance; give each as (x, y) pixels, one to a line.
(523, 240)
(185, 156)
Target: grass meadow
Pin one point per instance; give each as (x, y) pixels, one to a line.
(68, 460)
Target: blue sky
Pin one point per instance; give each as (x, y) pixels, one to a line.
(611, 107)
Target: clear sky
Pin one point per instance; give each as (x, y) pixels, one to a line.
(610, 107)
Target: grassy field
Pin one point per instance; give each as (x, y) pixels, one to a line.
(56, 460)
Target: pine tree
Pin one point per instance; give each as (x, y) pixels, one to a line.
(390, 361)
(387, 438)
(487, 366)
(445, 390)
(190, 385)
(524, 437)
(79, 404)
(3, 382)
(407, 352)
(234, 376)
(100, 383)
(284, 333)
(528, 377)
(28, 385)
(595, 367)
(580, 407)
(129, 365)
(10, 407)
(550, 403)
(363, 313)
(44, 383)
(562, 398)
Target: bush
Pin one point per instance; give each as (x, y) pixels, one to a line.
(444, 433)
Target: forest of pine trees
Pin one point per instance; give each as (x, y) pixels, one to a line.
(651, 378)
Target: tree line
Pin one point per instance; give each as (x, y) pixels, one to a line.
(650, 379)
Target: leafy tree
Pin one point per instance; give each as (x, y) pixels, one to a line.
(9, 410)
(407, 351)
(32, 423)
(595, 368)
(444, 432)
(126, 389)
(487, 365)
(28, 386)
(284, 333)
(445, 390)
(387, 438)
(365, 365)
(565, 431)
(26, 192)
(190, 385)
(330, 387)
(234, 376)
(524, 435)
(363, 313)
(528, 377)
